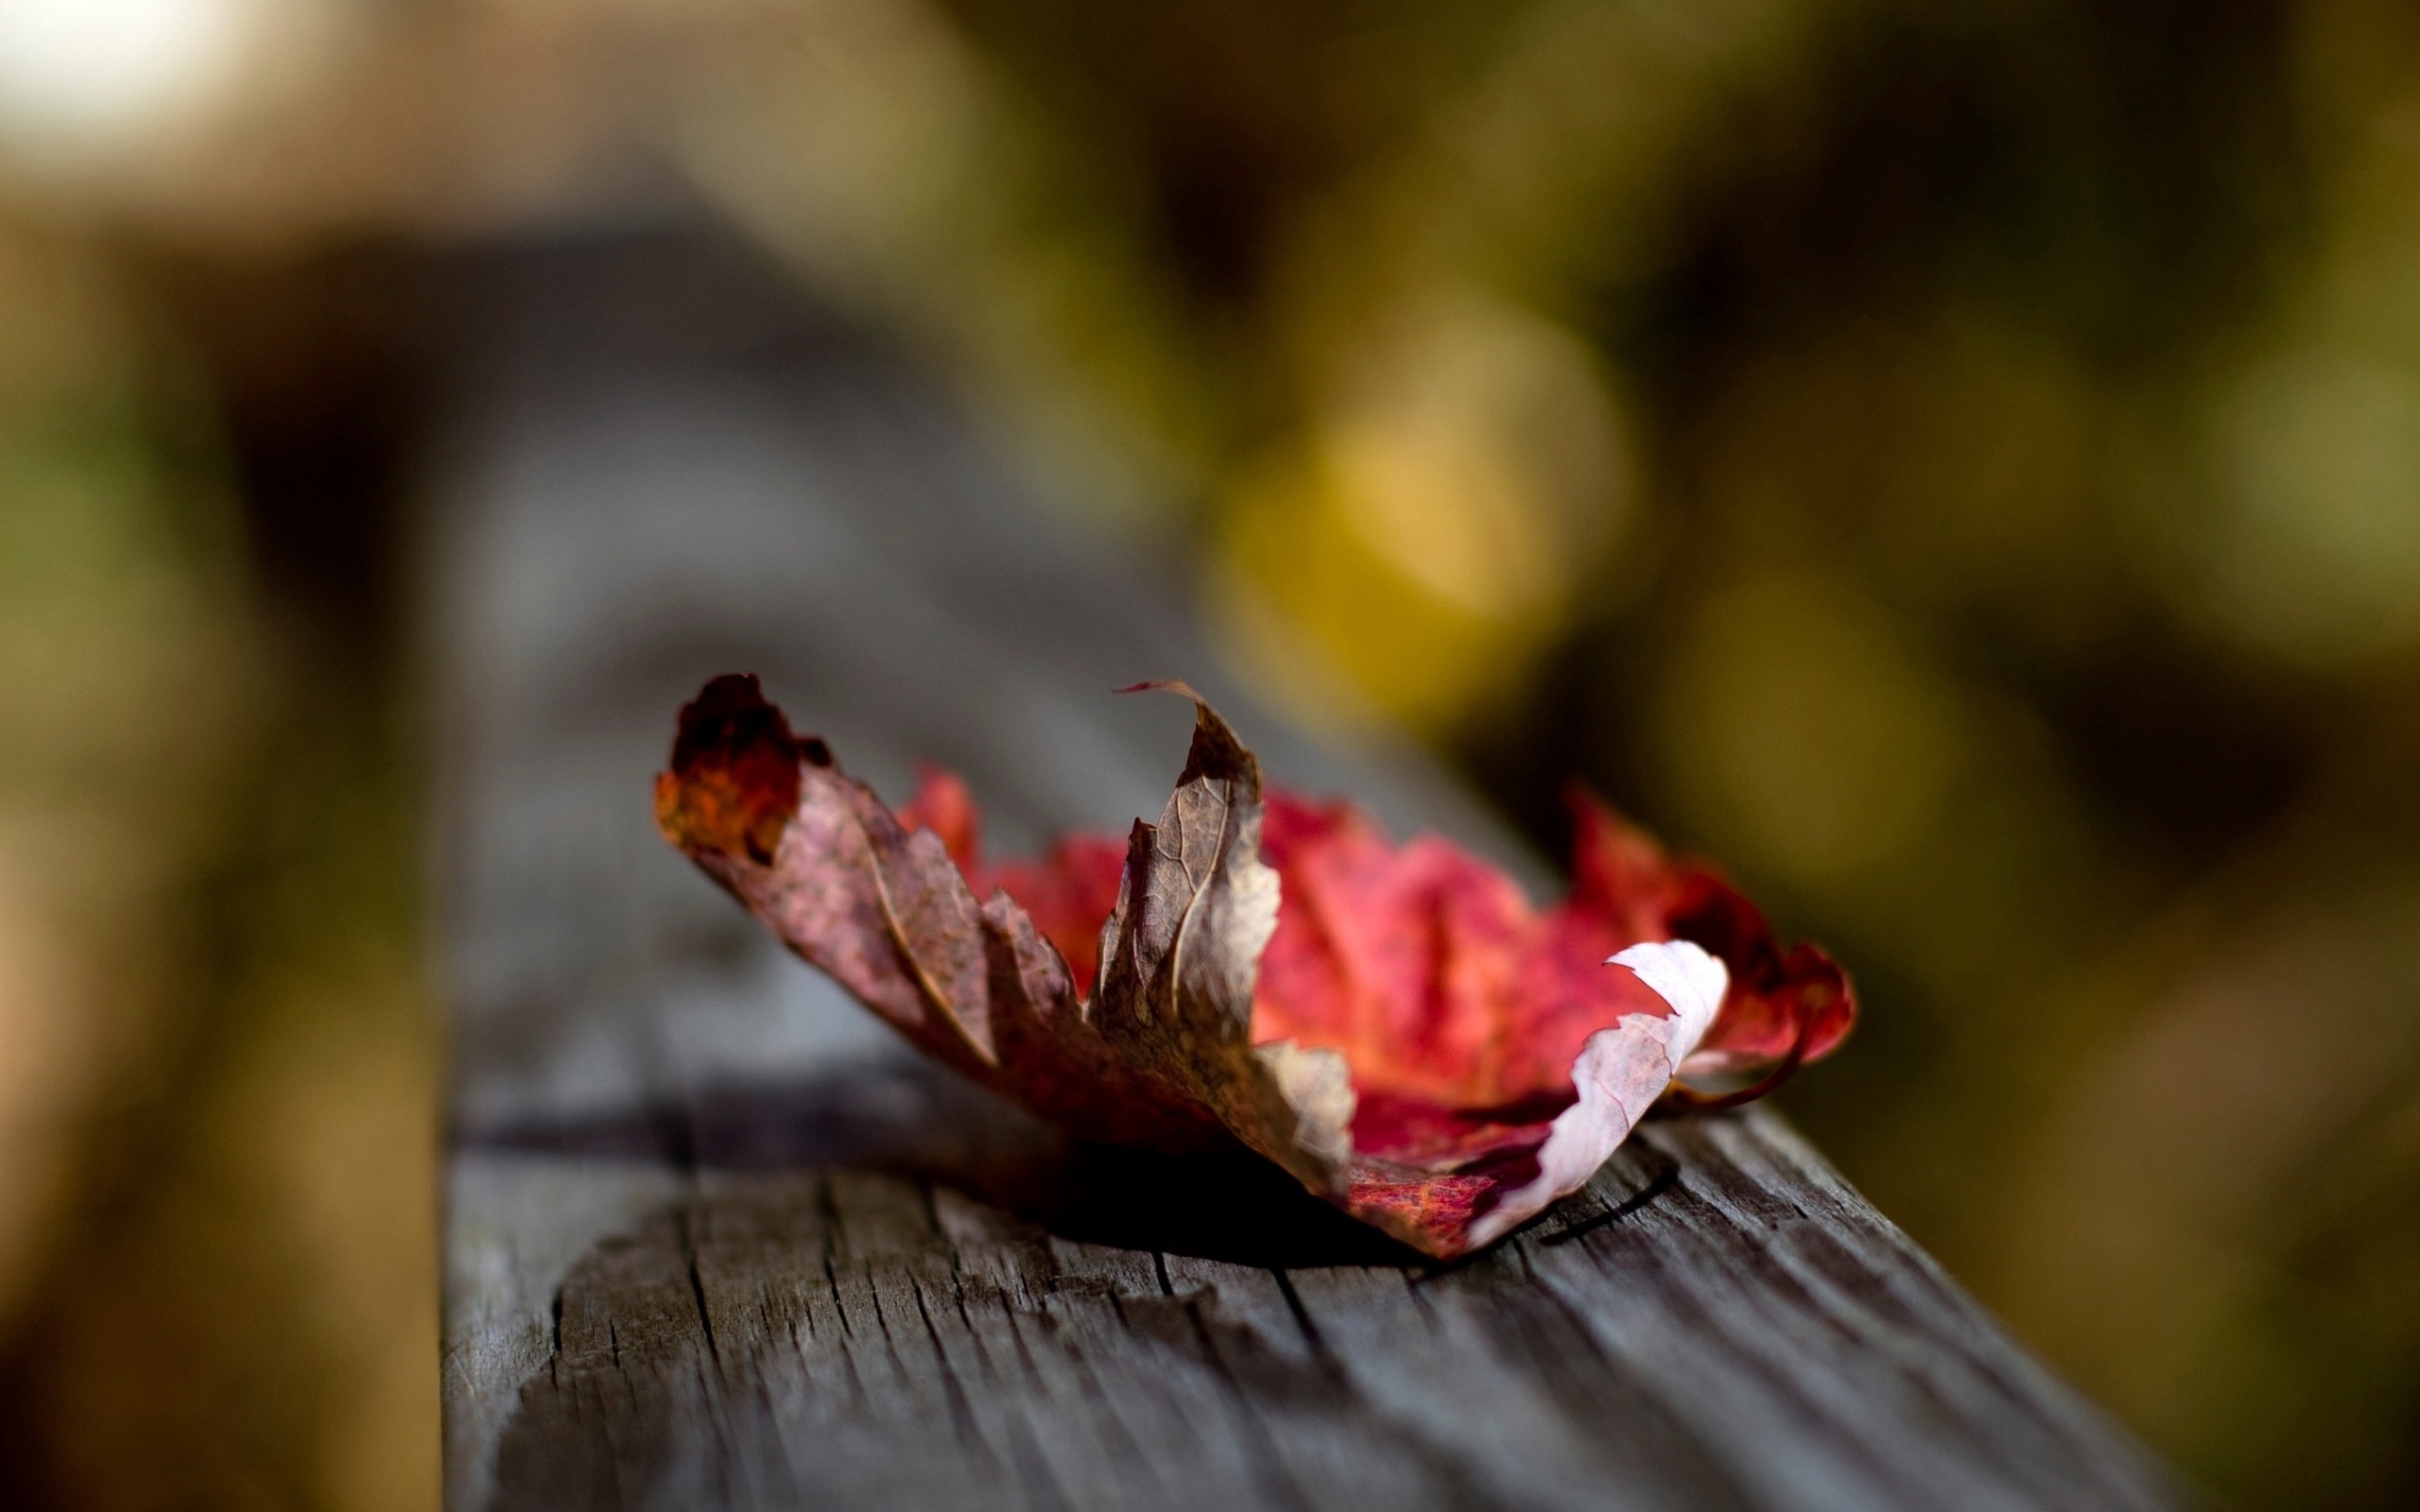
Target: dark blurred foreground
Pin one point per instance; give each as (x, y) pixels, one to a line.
(1960, 467)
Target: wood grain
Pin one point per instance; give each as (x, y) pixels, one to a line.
(714, 1241)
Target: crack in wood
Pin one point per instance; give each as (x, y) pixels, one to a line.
(696, 1286)
(1301, 1315)
(1668, 1173)
(961, 1414)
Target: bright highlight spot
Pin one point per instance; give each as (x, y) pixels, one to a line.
(77, 73)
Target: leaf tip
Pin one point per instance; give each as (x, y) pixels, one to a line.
(734, 780)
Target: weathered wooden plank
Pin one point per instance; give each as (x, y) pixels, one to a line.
(516, 1226)
(714, 1242)
(929, 1349)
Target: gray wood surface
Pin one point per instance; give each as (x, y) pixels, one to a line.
(715, 1240)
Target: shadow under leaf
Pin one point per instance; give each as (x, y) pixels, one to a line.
(911, 1117)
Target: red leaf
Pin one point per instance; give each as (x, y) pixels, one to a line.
(1404, 1034)
(1067, 893)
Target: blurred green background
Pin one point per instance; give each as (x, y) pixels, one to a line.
(1958, 465)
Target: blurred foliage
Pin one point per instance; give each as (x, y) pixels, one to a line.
(1958, 464)
(217, 1085)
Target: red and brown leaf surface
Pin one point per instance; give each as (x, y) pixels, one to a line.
(1395, 1026)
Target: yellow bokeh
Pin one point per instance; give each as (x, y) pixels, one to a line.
(1464, 481)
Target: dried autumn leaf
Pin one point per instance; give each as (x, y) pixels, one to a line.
(1396, 1027)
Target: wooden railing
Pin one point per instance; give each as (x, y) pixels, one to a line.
(715, 1240)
